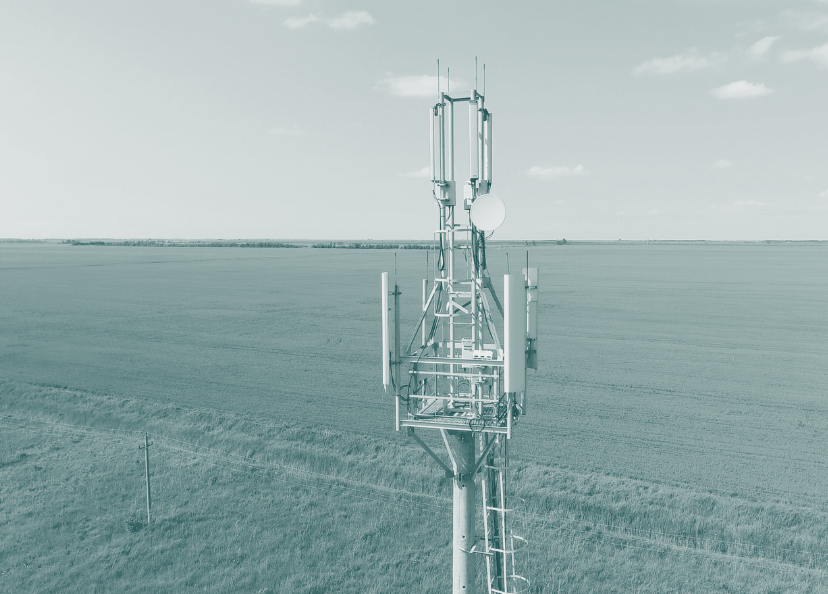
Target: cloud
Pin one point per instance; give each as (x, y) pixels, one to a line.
(759, 50)
(740, 205)
(741, 89)
(424, 172)
(556, 172)
(351, 20)
(299, 22)
(722, 164)
(823, 194)
(654, 211)
(813, 22)
(817, 55)
(285, 132)
(689, 61)
(277, 2)
(422, 85)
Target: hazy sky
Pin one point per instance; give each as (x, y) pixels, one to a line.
(664, 119)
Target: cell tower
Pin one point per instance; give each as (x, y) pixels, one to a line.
(454, 374)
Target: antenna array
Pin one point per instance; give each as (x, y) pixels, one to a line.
(455, 374)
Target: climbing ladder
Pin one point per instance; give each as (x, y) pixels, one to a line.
(500, 542)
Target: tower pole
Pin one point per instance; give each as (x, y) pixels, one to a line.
(460, 381)
(464, 570)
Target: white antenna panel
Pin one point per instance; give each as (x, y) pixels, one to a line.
(514, 328)
(488, 212)
(386, 343)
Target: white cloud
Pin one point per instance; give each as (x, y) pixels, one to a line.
(424, 172)
(422, 85)
(654, 211)
(817, 55)
(814, 22)
(689, 61)
(823, 194)
(351, 20)
(739, 205)
(299, 22)
(556, 172)
(760, 49)
(722, 164)
(741, 89)
(285, 132)
(277, 2)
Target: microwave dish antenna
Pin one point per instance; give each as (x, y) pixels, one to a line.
(488, 212)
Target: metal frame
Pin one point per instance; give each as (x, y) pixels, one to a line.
(457, 374)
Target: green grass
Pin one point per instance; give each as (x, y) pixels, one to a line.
(697, 366)
(244, 504)
(675, 440)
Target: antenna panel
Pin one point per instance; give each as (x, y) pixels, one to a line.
(386, 343)
(487, 155)
(514, 347)
(474, 163)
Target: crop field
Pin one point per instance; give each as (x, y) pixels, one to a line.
(689, 379)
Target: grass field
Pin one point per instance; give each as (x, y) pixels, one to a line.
(244, 504)
(682, 401)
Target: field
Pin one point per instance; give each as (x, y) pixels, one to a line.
(681, 402)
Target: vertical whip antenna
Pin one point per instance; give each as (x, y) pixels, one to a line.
(475, 73)
(438, 80)
(484, 79)
(448, 80)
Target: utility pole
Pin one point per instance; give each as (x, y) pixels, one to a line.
(145, 447)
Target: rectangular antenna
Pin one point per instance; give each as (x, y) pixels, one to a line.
(449, 140)
(514, 330)
(487, 152)
(431, 136)
(480, 128)
(386, 343)
(474, 164)
(441, 124)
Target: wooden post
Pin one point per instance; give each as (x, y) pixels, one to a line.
(145, 447)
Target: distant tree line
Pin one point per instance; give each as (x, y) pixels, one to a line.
(153, 243)
(371, 246)
(357, 245)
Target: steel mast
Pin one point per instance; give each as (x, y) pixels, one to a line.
(461, 380)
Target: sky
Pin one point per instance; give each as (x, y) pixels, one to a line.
(306, 119)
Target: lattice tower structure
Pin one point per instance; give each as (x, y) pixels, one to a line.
(454, 374)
